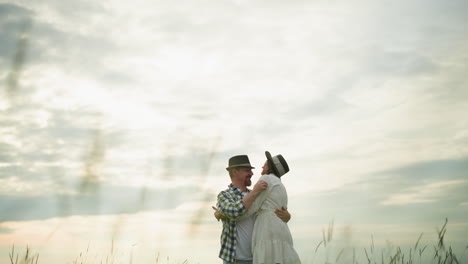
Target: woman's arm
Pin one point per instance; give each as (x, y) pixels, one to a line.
(257, 203)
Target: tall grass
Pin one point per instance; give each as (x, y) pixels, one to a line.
(113, 257)
(438, 253)
(28, 257)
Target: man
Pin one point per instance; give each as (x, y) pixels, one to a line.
(236, 237)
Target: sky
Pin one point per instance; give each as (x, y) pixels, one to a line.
(117, 120)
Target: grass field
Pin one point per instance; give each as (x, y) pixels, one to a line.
(436, 253)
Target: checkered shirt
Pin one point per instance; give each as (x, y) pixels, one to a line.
(231, 206)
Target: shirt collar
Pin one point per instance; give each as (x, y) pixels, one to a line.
(235, 189)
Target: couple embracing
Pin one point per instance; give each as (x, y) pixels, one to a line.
(255, 229)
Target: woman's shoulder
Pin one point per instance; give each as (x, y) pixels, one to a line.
(270, 178)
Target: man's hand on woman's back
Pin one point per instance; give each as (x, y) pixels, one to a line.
(283, 214)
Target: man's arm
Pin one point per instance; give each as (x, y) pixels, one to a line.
(229, 206)
(283, 214)
(217, 214)
(232, 209)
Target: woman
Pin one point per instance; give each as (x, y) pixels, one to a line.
(271, 239)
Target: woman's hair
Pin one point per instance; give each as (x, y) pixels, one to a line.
(270, 167)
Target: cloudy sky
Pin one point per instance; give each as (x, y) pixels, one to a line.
(117, 119)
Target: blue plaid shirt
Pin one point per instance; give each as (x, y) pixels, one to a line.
(231, 206)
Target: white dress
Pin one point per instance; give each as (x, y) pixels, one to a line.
(271, 239)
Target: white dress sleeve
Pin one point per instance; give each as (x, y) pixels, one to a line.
(257, 204)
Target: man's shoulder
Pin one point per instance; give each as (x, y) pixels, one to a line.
(227, 191)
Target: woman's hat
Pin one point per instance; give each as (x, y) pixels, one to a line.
(280, 166)
(239, 161)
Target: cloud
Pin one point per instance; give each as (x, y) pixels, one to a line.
(39, 141)
(22, 29)
(421, 192)
(6, 230)
(427, 171)
(399, 63)
(428, 193)
(12, 19)
(97, 200)
(411, 23)
(434, 182)
(13, 185)
(330, 104)
(5, 153)
(53, 42)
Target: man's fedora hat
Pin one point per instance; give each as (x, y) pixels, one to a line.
(280, 166)
(239, 161)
